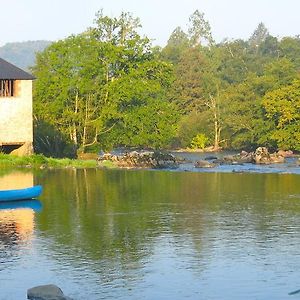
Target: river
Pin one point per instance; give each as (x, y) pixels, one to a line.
(144, 234)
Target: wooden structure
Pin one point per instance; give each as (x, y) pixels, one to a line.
(16, 128)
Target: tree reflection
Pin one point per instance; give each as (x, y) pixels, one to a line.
(117, 219)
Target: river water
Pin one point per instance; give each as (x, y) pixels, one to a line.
(142, 234)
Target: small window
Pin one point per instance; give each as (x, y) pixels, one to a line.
(6, 88)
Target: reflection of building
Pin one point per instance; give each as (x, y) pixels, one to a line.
(15, 109)
(16, 180)
(16, 225)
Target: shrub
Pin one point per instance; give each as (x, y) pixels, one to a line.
(199, 141)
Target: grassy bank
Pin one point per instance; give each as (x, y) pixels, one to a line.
(40, 161)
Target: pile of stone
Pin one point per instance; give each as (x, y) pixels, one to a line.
(143, 159)
(260, 156)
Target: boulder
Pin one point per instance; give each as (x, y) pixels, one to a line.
(276, 158)
(287, 153)
(237, 159)
(210, 157)
(24, 150)
(262, 155)
(204, 164)
(46, 292)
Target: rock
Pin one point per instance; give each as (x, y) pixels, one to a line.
(284, 153)
(210, 157)
(276, 158)
(246, 157)
(231, 160)
(262, 155)
(143, 159)
(46, 292)
(204, 164)
(24, 150)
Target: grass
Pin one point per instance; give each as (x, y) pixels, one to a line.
(39, 161)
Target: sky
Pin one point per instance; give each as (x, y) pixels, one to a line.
(57, 19)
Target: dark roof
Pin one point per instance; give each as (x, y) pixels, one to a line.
(9, 71)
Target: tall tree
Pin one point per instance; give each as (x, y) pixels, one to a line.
(259, 35)
(93, 85)
(177, 43)
(199, 30)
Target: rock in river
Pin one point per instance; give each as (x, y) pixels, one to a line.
(143, 159)
(46, 292)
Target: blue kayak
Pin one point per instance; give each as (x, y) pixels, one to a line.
(21, 194)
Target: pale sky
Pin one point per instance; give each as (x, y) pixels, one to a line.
(24, 20)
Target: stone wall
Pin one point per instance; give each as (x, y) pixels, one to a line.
(16, 116)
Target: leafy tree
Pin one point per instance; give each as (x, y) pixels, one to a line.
(178, 42)
(91, 84)
(234, 61)
(64, 92)
(259, 35)
(290, 48)
(283, 108)
(199, 30)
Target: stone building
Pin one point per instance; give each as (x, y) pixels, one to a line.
(16, 126)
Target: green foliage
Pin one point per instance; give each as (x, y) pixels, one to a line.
(283, 108)
(50, 142)
(199, 30)
(176, 45)
(108, 87)
(190, 125)
(38, 160)
(199, 141)
(104, 87)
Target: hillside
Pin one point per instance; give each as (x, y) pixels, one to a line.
(22, 54)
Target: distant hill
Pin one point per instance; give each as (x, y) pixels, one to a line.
(22, 54)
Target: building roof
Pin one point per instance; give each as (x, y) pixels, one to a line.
(10, 71)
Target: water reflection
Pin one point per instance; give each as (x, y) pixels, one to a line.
(11, 179)
(132, 230)
(16, 228)
(166, 235)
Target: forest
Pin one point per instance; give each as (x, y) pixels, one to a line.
(108, 87)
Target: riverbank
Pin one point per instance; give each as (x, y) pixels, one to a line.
(176, 161)
(41, 161)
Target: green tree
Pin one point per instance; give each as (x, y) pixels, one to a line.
(259, 35)
(289, 47)
(91, 84)
(177, 43)
(283, 108)
(199, 30)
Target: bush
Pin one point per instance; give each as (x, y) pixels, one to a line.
(199, 141)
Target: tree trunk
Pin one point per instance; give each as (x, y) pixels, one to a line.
(217, 127)
(74, 128)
